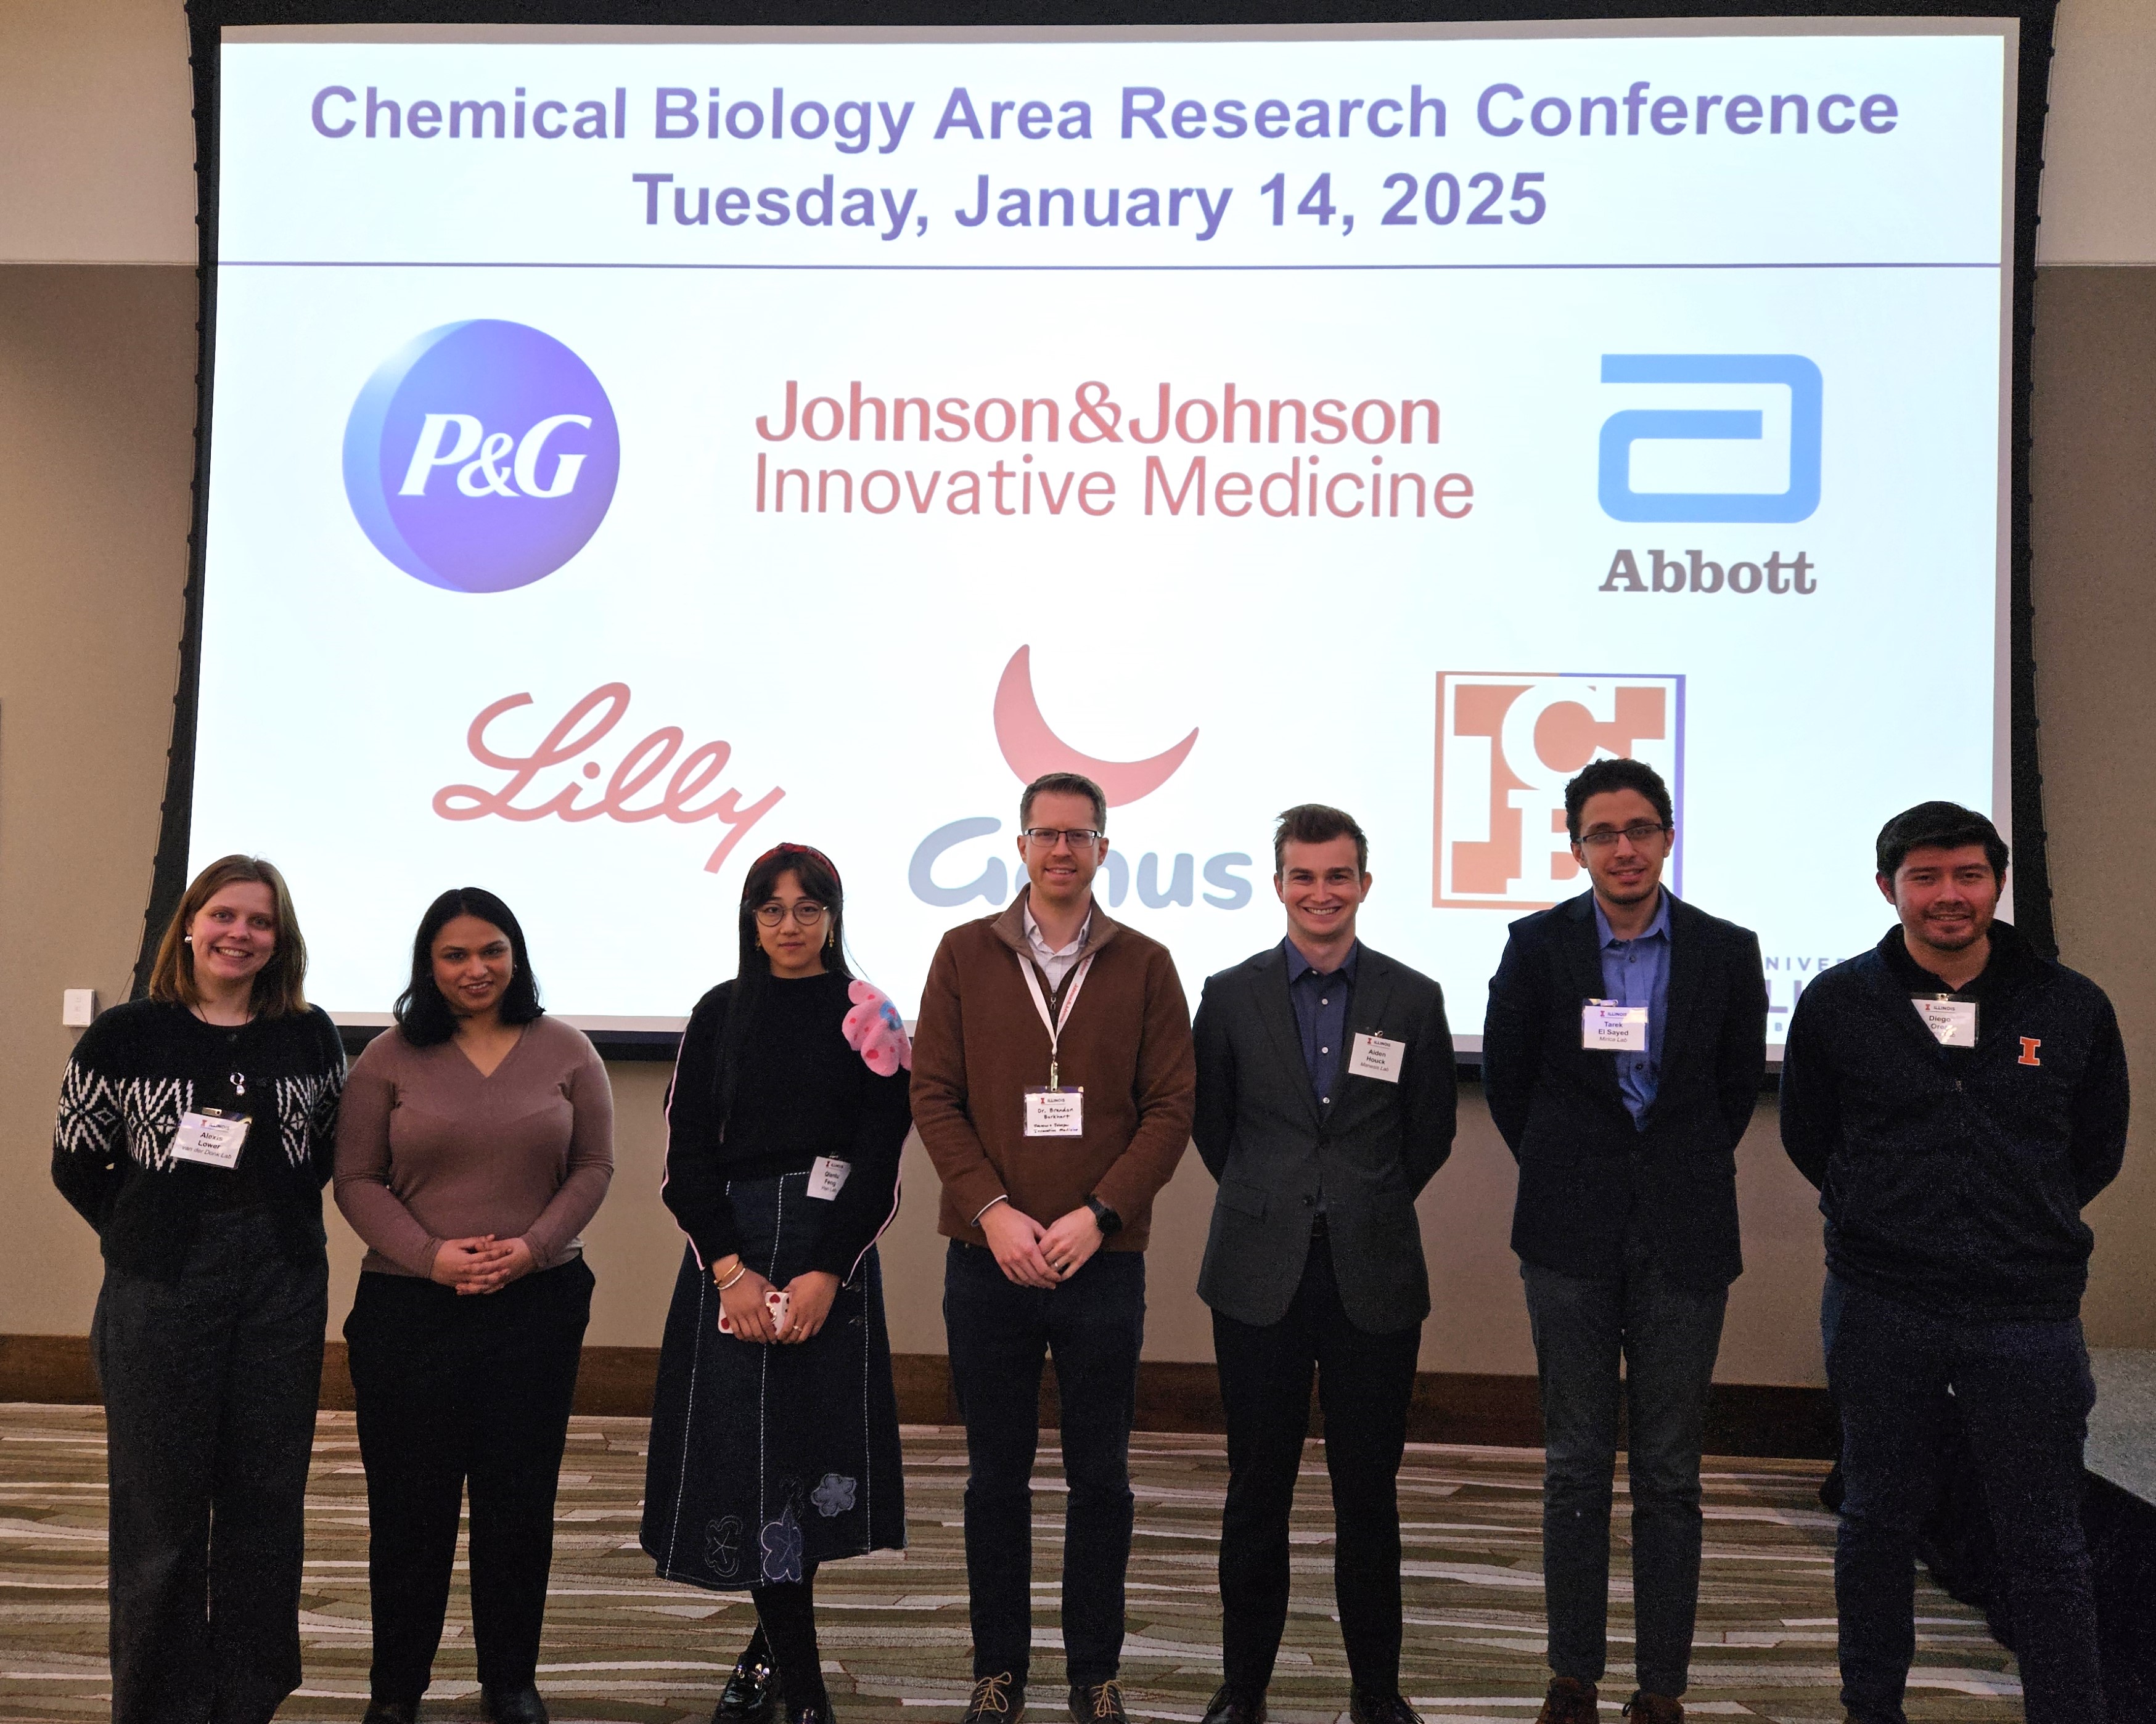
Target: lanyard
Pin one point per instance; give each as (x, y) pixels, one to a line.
(1054, 1028)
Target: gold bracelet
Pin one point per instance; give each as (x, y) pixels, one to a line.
(737, 1275)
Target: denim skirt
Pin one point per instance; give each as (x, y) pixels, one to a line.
(767, 1459)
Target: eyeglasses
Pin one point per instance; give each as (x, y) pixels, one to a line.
(807, 911)
(1638, 833)
(1044, 837)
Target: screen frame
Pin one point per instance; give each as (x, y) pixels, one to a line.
(2031, 900)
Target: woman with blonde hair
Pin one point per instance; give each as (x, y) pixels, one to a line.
(196, 1133)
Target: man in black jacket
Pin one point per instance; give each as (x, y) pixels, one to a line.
(1622, 1057)
(1325, 1103)
(1957, 1098)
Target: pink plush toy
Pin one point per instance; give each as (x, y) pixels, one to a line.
(875, 1030)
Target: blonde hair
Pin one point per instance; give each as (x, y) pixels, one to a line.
(277, 984)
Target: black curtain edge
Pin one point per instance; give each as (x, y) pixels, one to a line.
(206, 20)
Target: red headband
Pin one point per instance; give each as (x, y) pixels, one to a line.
(808, 850)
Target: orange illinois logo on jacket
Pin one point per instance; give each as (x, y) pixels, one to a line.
(2029, 1044)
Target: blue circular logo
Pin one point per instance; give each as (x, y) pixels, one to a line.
(482, 457)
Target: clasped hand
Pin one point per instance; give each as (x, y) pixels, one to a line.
(809, 1295)
(1036, 1256)
(482, 1263)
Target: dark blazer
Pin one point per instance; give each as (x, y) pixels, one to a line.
(1586, 1173)
(1265, 1138)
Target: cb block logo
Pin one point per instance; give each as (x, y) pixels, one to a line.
(1506, 742)
(482, 457)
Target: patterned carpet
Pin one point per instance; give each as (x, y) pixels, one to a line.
(622, 1646)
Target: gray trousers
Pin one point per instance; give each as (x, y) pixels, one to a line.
(210, 1386)
(1665, 1336)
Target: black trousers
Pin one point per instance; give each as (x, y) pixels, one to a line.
(1363, 1384)
(998, 1334)
(210, 1385)
(452, 1390)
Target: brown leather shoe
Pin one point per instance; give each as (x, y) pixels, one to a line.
(1569, 1702)
(1653, 1709)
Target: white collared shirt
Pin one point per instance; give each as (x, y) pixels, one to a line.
(1055, 962)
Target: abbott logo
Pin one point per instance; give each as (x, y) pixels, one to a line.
(1621, 430)
(482, 457)
(1505, 744)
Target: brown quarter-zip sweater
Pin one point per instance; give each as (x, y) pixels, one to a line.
(981, 1045)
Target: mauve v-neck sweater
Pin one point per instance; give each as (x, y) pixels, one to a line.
(429, 1150)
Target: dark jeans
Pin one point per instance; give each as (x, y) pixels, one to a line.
(210, 1385)
(998, 1333)
(2024, 1392)
(451, 1388)
(1364, 1382)
(1667, 1335)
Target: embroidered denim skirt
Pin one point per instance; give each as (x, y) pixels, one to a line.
(767, 1460)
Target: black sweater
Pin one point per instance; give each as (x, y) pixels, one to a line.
(140, 1066)
(1954, 1178)
(802, 1091)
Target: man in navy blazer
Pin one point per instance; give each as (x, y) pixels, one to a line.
(1325, 1103)
(1622, 1057)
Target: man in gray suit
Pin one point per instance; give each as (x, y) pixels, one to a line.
(1325, 1103)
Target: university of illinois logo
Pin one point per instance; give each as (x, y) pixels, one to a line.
(1506, 742)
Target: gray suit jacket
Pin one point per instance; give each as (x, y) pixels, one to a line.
(1261, 1132)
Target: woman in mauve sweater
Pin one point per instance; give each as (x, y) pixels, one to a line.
(774, 1436)
(477, 1141)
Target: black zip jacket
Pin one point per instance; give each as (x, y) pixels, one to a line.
(1953, 1179)
(143, 1065)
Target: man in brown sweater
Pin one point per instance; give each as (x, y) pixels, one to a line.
(1052, 1123)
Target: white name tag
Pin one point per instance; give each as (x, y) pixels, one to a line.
(827, 1179)
(1609, 1027)
(1056, 1113)
(213, 1139)
(1373, 1056)
(1952, 1022)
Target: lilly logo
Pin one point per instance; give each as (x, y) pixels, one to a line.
(482, 457)
(1031, 748)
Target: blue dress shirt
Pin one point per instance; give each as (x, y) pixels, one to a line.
(1321, 1014)
(1636, 972)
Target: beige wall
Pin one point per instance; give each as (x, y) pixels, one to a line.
(96, 413)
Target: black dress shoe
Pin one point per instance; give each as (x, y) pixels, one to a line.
(392, 1712)
(816, 1712)
(1364, 1707)
(751, 1696)
(1098, 1703)
(1230, 1705)
(997, 1699)
(512, 1703)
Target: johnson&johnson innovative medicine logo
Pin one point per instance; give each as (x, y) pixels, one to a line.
(1506, 742)
(482, 457)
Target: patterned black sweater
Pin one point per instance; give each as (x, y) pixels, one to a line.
(143, 1065)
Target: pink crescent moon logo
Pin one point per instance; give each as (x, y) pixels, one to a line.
(1032, 748)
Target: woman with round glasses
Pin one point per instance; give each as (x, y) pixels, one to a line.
(774, 1437)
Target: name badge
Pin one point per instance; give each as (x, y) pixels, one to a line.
(212, 1138)
(1056, 1112)
(1611, 1027)
(827, 1178)
(1373, 1056)
(1952, 1022)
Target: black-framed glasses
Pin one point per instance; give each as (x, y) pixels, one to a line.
(807, 911)
(1639, 831)
(1046, 837)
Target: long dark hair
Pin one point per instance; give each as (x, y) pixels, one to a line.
(752, 983)
(421, 1013)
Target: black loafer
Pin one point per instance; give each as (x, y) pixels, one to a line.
(512, 1703)
(751, 1696)
(1230, 1705)
(1364, 1707)
(392, 1712)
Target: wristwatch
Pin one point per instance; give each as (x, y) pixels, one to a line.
(1107, 1219)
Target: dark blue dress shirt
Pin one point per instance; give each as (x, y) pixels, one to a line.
(1321, 1014)
(1636, 972)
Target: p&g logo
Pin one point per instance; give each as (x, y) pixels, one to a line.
(482, 457)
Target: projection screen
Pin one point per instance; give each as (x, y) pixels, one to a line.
(632, 449)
